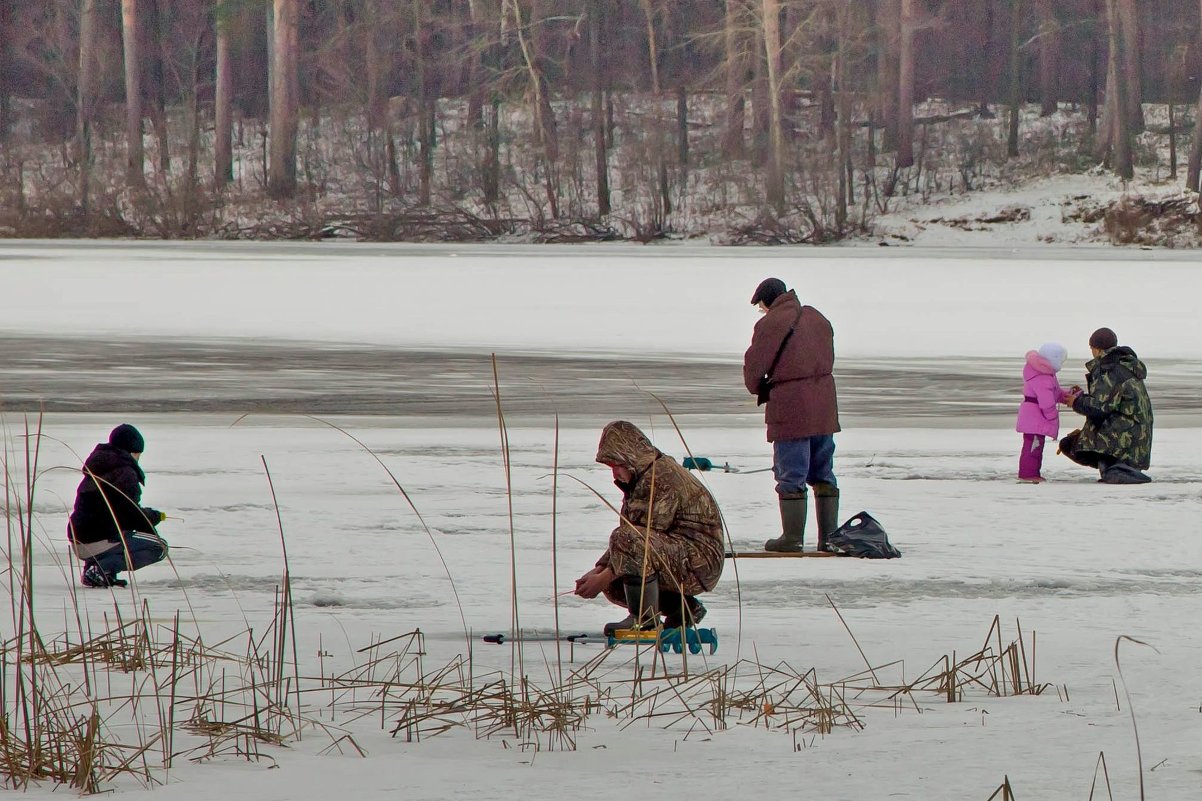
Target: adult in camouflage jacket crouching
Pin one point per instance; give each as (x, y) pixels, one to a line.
(1117, 435)
(667, 547)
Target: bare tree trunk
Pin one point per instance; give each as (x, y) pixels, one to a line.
(544, 127)
(1172, 77)
(133, 94)
(6, 66)
(491, 169)
(193, 90)
(7, 8)
(85, 102)
(490, 18)
(223, 101)
(981, 68)
(1094, 55)
(1131, 65)
(394, 167)
(761, 113)
(734, 43)
(665, 191)
(1015, 79)
(281, 176)
(776, 141)
(547, 125)
(598, 112)
(905, 86)
(682, 127)
(425, 115)
(375, 64)
(1116, 123)
(1172, 137)
(475, 84)
(1049, 64)
(888, 22)
(842, 98)
(426, 120)
(158, 108)
(828, 45)
(1193, 170)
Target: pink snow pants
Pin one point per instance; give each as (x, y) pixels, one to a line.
(1031, 459)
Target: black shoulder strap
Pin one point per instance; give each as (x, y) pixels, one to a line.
(783, 342)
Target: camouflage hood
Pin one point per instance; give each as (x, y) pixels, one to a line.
(1121, 356)
(623, 444)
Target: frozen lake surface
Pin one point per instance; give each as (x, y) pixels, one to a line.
(224, 356)
(210, 375)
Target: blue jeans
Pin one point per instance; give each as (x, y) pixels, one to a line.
(798, 462)
(135, 550)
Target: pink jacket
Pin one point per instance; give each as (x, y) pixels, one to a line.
(1038, 413)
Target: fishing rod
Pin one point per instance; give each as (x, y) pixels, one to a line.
(577, 639)
(704, 464)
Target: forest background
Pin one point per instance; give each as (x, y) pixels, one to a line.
(743, 121)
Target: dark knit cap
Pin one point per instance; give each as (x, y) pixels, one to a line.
(769, 290)
(127, 438)
(1103, 339)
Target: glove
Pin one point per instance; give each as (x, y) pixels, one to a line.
(154, 516)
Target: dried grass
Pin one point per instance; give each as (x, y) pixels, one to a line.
(89, 709)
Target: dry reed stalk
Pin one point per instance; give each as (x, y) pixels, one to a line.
(850, 634)
(517, 664)
(412, 506)
(1139, 757)
(286, 615)
(241, 691)
(729, 541)
(1004, 788)
(1093, 785)
(555, 550)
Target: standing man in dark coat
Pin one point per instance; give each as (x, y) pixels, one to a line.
(788, 367)
(109, 529)
(1117, 435)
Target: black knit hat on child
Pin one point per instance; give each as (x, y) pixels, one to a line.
(769, 290)
(127, 438)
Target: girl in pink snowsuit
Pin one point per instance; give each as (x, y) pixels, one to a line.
(1038, 416)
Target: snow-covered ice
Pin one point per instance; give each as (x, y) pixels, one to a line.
(1076, 564)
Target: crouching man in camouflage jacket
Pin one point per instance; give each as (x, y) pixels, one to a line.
(668, 546)
(1117, 435)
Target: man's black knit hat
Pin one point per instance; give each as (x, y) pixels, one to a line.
(1103, 339)
(769, 290)
(127, 438)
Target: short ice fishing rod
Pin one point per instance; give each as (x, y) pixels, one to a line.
(704, 464)
(579, 639)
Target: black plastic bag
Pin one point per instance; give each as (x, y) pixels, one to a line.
(862, 536)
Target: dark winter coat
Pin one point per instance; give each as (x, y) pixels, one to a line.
(666, 507)
(803, 401)
(1117, 409)
(108, 499)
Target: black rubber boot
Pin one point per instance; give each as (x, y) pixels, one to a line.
(1120, 473)
(680, 613)
(793, 524)
(642, 599)
(826, 509)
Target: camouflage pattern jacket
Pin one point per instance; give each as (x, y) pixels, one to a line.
(663, 505)
(1118, 412)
